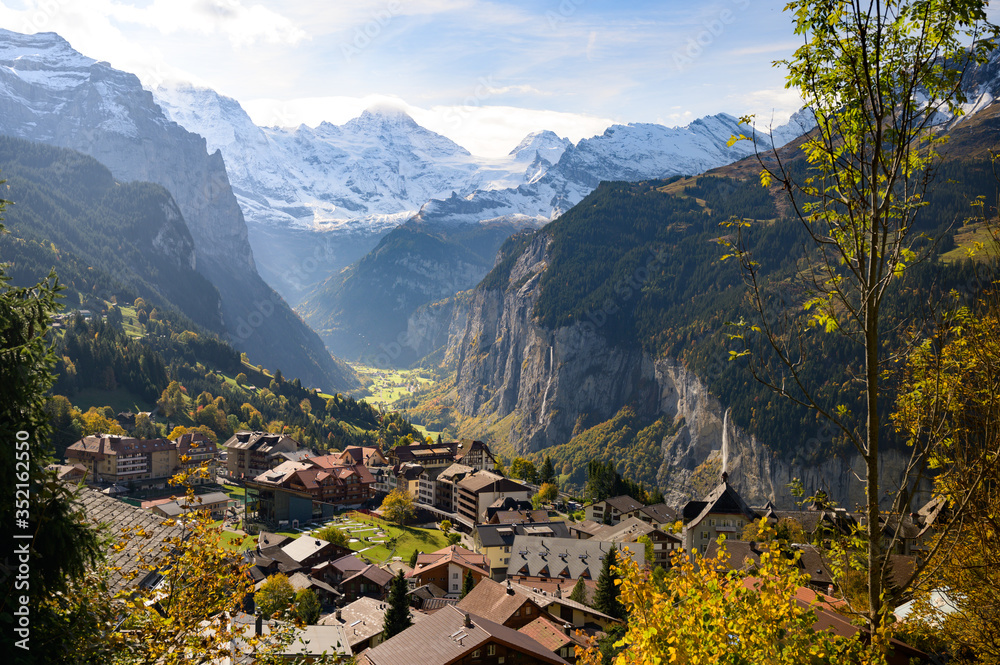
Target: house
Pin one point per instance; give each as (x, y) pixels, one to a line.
(268, 561)
(744, 555)
(422, 594)
(631, 529)
(557, 636)
(72, 473)
(249, 454)
(215, 503)
(610, 511)
(305, 644)
(362, 621)
(371, 581)
(477, 491)
(496, 541)
(501, 515)
(563, 560)
(658, 514)
(453, 637)
(309, 551)
(500, 603)
(558, 605)
(327, 594)
(335, 571)
(722, 512)
(370, 456)
(447, 568)
(195, 451)
(585, 529)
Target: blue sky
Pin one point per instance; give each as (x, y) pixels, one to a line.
(482, 73)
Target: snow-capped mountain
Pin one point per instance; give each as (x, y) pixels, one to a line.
(52, 94)
(367, 175)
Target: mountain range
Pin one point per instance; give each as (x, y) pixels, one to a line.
(49, 93)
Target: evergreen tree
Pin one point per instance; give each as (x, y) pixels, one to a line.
(468, 584)
(579, 592)
(397, 615)
(547, 474)
(413, 558)
(606, 598)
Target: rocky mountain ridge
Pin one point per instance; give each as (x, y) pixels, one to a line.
(52, 94)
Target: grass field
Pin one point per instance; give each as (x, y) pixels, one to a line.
(118, 399)
(389, 385)
(965, 240)
(400, 541)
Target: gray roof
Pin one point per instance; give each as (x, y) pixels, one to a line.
(563, 558)
(129, 565)
(483, 481)
(497, 535)
(723, 500)
(623, 503)
(446, 636)
(301, 581)
(629, 530)
(546, 599)
(363, 619)
(661, 513)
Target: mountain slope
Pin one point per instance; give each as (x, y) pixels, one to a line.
(105, 239)
(51, 93)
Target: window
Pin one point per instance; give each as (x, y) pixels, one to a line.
(477, 653)
(704, 535)
(454, 576)
(711, 522)
(491, 649)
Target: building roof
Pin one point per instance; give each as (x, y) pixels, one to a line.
(589, 527)
(544, 600)
(487, 481)
(623, 503)
(629, 530)
(722, 500)
(302, 548)
(455, 472)
(745, 555)
(551, 635)
(429, 590)
(497, 535)
(511, 516)
(494, 601)
(451, 554)
(362, 619)
(367, 455)
(264, 442)
(564, 558)
(660, 513)
(372, 573)
(447, 636)
(349, 564)
(302, 580)
(129, 565)
(98, 446)
(266, 539)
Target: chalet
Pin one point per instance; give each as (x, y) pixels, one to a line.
(309, 551)
(631, 529)
(563, 560)
(447, 568)
(327, 594)
(500, 603)
(301, 491)
(363, 621)
(453, 637)
(722, 512)
(125, 460)
(658, 514)
(610, 511)
(558, 605)
(496, 541)
(371, 582)
(249, 454)
(557, 636)
(215, 503)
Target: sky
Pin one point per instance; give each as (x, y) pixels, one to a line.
(482, 73)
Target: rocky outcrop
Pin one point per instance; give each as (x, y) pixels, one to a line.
(537, 384)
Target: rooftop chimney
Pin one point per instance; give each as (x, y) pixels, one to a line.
(468, 621)
(568, 628)
(259, 625)
(340, 616)
(510, 589)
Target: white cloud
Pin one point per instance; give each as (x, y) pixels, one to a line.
(487, 131)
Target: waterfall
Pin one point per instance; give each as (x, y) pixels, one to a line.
(545, 395)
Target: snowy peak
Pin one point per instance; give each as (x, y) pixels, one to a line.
(44, 51)
(545, 145)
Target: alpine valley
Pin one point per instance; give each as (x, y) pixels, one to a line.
(570, 298)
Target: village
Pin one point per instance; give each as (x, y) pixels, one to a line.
(515, 579)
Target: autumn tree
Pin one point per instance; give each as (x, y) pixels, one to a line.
(880, 76)
(397, 614)
(307, 606)
(706, 614)
(397, 507)
(275, 595)
(171, 401)
(332, 534)
(524, 469)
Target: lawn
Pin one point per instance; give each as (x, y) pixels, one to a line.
(402, 541)
(119, 399)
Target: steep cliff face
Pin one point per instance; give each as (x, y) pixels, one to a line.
(535, 387)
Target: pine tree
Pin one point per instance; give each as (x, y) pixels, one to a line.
(413, 558)
(468, 584)
(397, 615)
(307, 606)
(606, 598)
(547, 474)
(579, 592)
